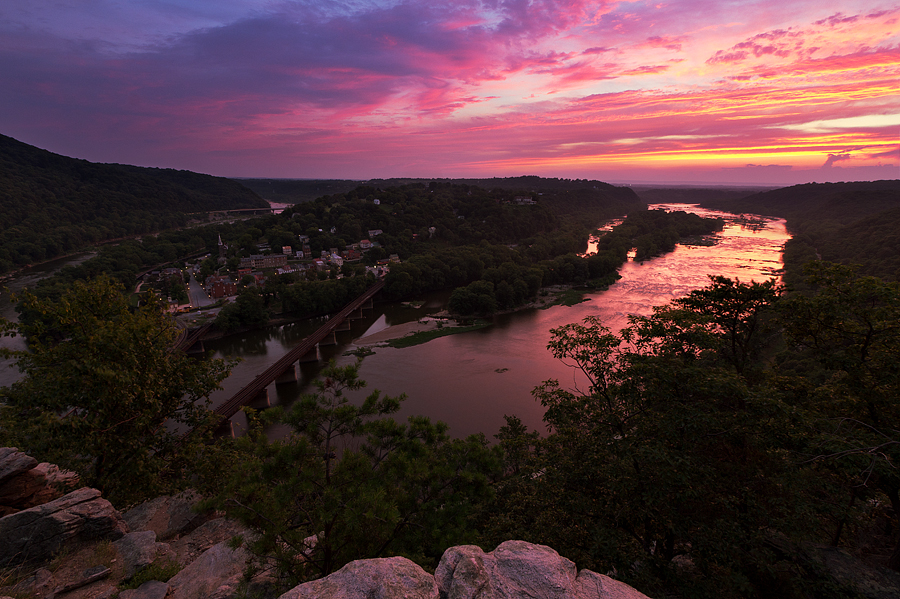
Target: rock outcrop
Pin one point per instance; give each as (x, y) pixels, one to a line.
(216, 574)
(13, 462)
(138, 550)
(25, 483)
(381, 578)
(39, 533)
(211, 569)
(514, 570)
(168, 516)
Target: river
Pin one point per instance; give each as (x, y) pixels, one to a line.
(471, 380)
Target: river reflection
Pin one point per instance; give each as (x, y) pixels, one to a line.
(471, 380)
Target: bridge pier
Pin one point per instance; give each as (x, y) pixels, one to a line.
(311, 356)
(344, 326)
(226, 429)
(260, 400)
(288, 376)
(329, 339)
(196, 350)
(356, 315)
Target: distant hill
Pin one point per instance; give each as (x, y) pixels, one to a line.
(656, 194)
(297, 191)
(51, 205)
(583, 200)
(851, 223)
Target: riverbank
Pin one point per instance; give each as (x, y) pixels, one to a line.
(443, 323)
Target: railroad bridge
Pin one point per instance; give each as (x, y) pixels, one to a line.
(284, 370)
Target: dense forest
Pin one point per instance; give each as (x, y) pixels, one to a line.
(567, 198)
(850, 223)
(51, 205)
(296, 191)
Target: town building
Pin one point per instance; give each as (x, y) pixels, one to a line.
(258, 261)
(219, 287)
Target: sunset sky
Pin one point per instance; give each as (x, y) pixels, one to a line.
(729, 91)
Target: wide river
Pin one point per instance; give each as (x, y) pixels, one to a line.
(471, 380)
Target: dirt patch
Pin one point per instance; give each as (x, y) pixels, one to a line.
(397, 331)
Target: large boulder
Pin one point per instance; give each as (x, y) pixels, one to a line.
(514, 570)
(215, 574)
(14, 462)
(517, 569)
(168, 516)
(38, 533)
(190, 546)
(382, 578)
(152, 589)
(138, 550)
(35, 486)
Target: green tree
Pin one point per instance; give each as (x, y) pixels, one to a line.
(348, 482)
(665, 452)
(104, 391)
(730, 320)
(843, 366)
(248, 310)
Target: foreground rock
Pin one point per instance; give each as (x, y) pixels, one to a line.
(382, 578)
(138, 550)
(25, 483)
(216, 574)
(39, 533)
(168, 516)
(13, 462)
(514, 570)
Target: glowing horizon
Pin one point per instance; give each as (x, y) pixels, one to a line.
(733, 91)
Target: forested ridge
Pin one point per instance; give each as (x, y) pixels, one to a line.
(849, 223)
(568, 198)
(51, 205)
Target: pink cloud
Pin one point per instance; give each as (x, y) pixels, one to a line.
(597, 50)
(866, 59)
(832, 158)
(838, 19)
(667, 42)
(648, 70)
(770, 42)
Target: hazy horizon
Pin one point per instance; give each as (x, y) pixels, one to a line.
(690, 92)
